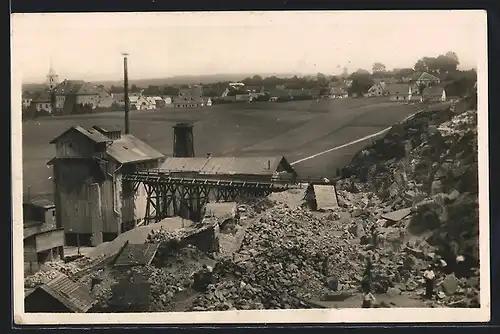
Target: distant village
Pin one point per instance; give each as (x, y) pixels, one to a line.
(402, 85)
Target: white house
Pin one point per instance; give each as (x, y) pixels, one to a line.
(378, 89)
(434, 94)
(402, 91)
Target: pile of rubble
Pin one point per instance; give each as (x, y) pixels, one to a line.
(173, 277)
(39, 278)
(287, 256)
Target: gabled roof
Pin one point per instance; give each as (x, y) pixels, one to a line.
(130, 149)
(72, 295)
(433, 91)
(428, 77)
(226, 165)
(415, 76)
(42, 97)
(28, 95)
(91, 134)
(398, 88)
(68, 87)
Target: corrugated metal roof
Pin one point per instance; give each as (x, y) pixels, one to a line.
(129, 149)
(224, 165)
(91, 134)
(326, 197)
(74, 296)
(136, 255)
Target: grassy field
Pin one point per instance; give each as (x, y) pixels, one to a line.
(294, 129)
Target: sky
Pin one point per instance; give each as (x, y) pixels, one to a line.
(88, 46)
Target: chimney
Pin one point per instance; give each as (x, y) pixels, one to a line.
(183, 140)
(125, 95)
(268, 164)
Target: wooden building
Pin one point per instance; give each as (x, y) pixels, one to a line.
(60, 295)
(92, 203)
(43, 240)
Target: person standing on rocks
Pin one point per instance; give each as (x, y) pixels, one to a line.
(430, 278)
(367, 275)
(374, 234)
(368, 298)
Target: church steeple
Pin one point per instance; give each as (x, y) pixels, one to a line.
(52, 77)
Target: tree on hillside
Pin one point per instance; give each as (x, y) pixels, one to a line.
(402, 72)
(378, 68)
(441, 64)
(152, 90)
(169, 90)
(321, 80)
(361, 81)
(334, 78)
(461, 83)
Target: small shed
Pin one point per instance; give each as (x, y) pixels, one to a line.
(60, 295)
(321, 197)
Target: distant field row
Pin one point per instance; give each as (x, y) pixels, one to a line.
(294, 129)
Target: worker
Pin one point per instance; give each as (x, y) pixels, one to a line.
(368, 298)
(374, 234)
(430, 278)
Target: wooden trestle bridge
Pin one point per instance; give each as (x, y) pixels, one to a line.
(168, 195)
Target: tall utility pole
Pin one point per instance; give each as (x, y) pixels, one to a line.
(125, 87)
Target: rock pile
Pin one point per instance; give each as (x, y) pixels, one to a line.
(172, 278)
(39, 278)
(288, 255)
